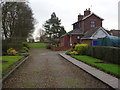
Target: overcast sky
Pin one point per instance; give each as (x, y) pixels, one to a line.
(68, 10)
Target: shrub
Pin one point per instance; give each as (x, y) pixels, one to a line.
(8, 43)
(71, 52)
(48, 46)
(108, 54)
(68, 51)
(11, 51)
(89, 51)
(81, 48)
(25, 44)
(74, 53)
(26, 49)
(73, 46)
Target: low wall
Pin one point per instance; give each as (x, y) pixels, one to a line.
(63, 48)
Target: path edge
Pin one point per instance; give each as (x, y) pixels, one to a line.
(14, 68)
(109, 84)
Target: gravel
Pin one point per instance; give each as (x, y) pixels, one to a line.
(46, 69)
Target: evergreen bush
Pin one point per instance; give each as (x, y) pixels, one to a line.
(81, 48)
(26, 49)
(25, 44)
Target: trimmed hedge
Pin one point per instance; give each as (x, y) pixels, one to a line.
(108, 54)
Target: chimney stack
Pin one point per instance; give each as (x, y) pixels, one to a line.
(87, 12)
(80, 17)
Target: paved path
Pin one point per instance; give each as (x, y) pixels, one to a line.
(107, 78)
(46, 69)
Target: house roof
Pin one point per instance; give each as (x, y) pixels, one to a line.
(64, 34)
(88, 17)
(75, 31)
(91, 32)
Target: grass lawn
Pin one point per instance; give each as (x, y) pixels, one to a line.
(107, 67)
(8, 61)
(37, 45)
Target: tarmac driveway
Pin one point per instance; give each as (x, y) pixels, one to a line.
(46, 69)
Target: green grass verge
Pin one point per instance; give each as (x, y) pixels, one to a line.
(107, 67)
(37, 45)
(8, 61)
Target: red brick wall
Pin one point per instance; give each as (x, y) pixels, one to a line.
(74, 38)
(85, 25)
(98, 22)
(63, 48)
(76, 25)
(61, 41)
(65, 41)
(80, 17)
(87, 12)
(87, 41)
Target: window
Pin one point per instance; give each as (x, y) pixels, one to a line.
(92, 24)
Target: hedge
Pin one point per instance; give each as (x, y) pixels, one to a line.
(81, 48)
(7, 44)
(108, 54)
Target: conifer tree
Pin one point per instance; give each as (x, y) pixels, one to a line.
(53, 28)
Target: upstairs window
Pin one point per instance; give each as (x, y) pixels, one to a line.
(92, 24)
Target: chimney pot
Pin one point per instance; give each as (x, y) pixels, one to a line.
(87, 12)
(80, 17)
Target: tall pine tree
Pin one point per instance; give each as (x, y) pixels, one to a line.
(53, 28)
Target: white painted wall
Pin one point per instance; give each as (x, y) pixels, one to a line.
(99, 34)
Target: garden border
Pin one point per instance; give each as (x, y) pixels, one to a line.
(102, 76)
(20, 62)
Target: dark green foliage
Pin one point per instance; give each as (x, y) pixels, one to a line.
(48, 46)
(26, 49)
(17, 20)
(25, 44)
(55, 42)
(53, 29)
(17, 24)
(6, 44)
(109, 54)
(89, 51)
(98, 53)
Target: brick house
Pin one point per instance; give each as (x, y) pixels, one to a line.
(115, 33)
(93, 34)
(84, 23)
